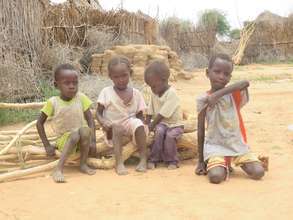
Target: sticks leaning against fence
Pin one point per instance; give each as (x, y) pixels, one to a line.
(245, 36)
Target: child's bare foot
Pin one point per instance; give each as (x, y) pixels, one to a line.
(121, 170)
(151, 165)
(85, 169)
(141, 167)
(58, 176)
(172, 166)
(264, 161)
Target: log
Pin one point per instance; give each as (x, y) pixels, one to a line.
(188, 140)
(32, 105)
(25, 166)
(28, 162)
(186, 153)
(101, 146)
(5, 163)
(109, 163)
(8, 157)
(5, 150)
(28, 149)
(22, 173)
(39, 152)
(189, 126)
(102, 163)
(5, 138)
(14, 132)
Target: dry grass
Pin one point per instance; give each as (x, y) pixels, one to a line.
(272, 39)
(20, 47)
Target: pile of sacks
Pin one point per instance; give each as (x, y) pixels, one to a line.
(141, 55)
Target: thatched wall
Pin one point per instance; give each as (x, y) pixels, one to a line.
(272, 39)
(70, 24)
(20, 47)
(185, 37)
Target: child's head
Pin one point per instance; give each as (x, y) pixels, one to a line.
(66, 80)
(119, 69)
(156, 75)
(219, 70)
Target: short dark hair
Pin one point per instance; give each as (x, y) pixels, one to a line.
(59, 68)
(221, 56)
(159, 68)
(119, 60)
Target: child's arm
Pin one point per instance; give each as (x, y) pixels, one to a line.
(148, 119)
(41, 130)
(213, 98)
(106, 124)
(139, 115)
(91, 123)
(201, 167)
(156, 121)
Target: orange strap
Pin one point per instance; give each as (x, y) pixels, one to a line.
(237, 99)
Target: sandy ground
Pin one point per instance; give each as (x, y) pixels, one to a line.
(163, 194)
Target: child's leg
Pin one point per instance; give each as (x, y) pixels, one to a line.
(254, 169)
(73, 139)
(118, 132)
(157, 146)
(170, 148)
(85, 137)
(217, 174)
(217, 169)
(251, 165)
(140, 139)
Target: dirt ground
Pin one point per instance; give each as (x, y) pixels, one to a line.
(179, 194)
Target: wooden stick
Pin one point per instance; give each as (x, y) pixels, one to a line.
(22, 173)
(32, 105)
(14, 132)
(5, 163)
(25, 166)
(104, 163)
(189, 126)
(8, 157)
(5, 150)
(66, 26)
(35, 150)
(5, 138)
(187, 140)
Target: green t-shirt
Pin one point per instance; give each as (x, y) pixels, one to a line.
(48, 108)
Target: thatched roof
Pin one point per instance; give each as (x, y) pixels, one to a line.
(91, 4)
(271, 40)
(269, 17)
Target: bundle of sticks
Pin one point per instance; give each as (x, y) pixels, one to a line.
(22, 152)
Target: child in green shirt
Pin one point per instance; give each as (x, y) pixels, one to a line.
(72, 121)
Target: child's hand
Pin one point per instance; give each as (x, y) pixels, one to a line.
(201, 168)
(151, 127)
(107, 125)
(211, 101)
(50, 150)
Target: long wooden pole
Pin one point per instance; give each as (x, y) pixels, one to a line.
(17, 136)
(22, 173)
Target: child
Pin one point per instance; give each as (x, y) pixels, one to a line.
(120, 112)
(225, 139)
(72, 121)
(164, 109)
